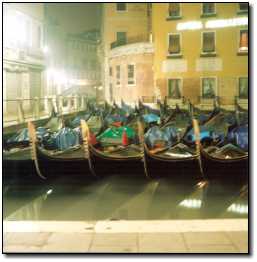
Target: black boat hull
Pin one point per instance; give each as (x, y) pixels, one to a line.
(107, 165)
(225, 169)
(53, 167)
(157, 167)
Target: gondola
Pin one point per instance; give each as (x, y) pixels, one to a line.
(161, 164)
(72, 163)
(227, 168)
(126, 160)
(18, 166)
(215, 168)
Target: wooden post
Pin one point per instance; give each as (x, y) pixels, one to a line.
(20, 111)
(142, 144)
(86, 140)
(33, 146)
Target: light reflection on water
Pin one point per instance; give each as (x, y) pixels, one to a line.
(128, 198)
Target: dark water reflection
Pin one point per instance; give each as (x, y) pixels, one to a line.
(126, 198)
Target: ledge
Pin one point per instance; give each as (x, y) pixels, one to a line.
(170, 18)
(208, 55)
(240, 53)
(242, 12)
(175, 56)
(132, 49)
(208, 15)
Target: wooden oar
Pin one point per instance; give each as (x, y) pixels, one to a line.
(142, 144)
(86, 140)
(33, 147)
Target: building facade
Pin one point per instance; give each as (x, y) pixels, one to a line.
(83, 67)
(23, 56)
(127, 51)
(73, 66)
(201, 51)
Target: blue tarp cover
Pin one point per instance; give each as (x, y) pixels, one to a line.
(150, 118)
(169, 135)
(239, 136)
(23, 135)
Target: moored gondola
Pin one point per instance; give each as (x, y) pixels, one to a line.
(124, 160)
(165, 162)
(225, 169)
(71, 163)
(226, 162)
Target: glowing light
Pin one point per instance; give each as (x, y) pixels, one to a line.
(45, 49)
(57, 76)
(191, 25)
(227, 22)
(14, 29)
(217, 23)
(237, 208)
(78, 82)
(191, 203)
(49, 191)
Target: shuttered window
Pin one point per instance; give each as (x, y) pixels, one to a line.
(243, 87)
(208, 42)
(174, 88)
(208, 8)
(121, 6)
(121, 38)
(209, 88)
(174, 44)
(243, 45)
(243, 7)
(174, 10)
(131, 74)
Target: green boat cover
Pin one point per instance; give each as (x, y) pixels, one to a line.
(113, 135)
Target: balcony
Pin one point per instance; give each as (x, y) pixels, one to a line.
(130, 40)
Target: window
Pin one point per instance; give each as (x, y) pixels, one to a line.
(174, 88)
(208, 42)
(243, 8)
(174, 44)
(118, 75)
(38, 45)
(121, 6)
(131, 75)
(121, 38)
(243, 42)
(208, 88)
(208, 8)
(174, 10)
(243, 88)
(110, 71)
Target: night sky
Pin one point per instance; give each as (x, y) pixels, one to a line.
(75, 17)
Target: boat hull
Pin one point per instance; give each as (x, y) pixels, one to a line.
(225, 169)
(158, 167)
(53, 167)
(107, 165)
(19, 169)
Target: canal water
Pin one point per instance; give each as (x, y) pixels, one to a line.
(126, 198)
